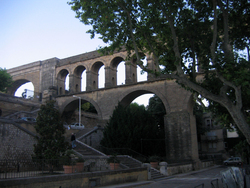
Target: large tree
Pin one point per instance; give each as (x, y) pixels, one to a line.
(6, 80)
(182, 36)
(134, 128)
(51, 143)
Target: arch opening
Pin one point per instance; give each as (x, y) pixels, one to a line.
(63, 82)
(23, 88)
(98, 75)
(79, 81)
(142, 125)
(88, 113)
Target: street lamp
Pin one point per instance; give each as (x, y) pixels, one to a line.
(79, 109)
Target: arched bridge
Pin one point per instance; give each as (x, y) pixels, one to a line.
(49, 77)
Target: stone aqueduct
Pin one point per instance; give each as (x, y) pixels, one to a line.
(48, 78)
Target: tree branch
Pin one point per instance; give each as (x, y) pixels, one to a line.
(213, 45)
(175, 39)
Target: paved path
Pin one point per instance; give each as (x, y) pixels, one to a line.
(187, 180)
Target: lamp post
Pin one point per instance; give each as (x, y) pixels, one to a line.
(79, 109)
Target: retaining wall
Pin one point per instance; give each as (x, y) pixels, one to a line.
(79, 180)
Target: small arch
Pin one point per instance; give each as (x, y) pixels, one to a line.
(79, 78)
(118, 66)
(61, 81)
(97, 81)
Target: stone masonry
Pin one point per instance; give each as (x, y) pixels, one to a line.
(16, 142)
(180, 126)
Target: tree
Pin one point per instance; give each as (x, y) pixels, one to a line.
(128, 126)
(183, 37)
(157, 109)
(51, 142)
(6, 80)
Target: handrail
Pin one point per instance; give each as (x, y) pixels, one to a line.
(202, 185)
(124, 151)
(217, 184)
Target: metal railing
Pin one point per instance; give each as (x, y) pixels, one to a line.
(28, 168)
(41, 167)
(215, 183)
(200, 186)
(124, 151)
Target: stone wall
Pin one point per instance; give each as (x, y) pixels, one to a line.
(12, 107)
(188, 167)
(83, 180)
(93, 138)
(16, 142)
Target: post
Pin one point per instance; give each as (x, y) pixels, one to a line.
(79, 109)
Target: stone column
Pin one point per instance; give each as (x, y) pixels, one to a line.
(180, 144)
(74, 83)
(110, 77)
(131, 72)
(152, 65)
(92, 80)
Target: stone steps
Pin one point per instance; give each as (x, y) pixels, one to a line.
(133, 163)
(86, 150)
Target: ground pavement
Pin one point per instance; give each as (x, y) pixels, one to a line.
(187, 180)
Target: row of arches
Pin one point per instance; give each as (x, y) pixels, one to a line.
(96, 74)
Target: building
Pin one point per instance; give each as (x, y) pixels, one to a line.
(215, 142)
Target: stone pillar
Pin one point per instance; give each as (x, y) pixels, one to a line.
(88, 81)
(163, 168)
(131, 72)
(110, 77)
(74, 83)
(61, 86)
(152, 65)
(92, 80)
(180, 144)
(148, 168)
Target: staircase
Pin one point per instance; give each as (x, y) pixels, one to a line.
(155, 174)
(125, 160)
(130, 162)
(86, 150)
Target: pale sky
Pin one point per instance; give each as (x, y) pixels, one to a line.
(33, 30)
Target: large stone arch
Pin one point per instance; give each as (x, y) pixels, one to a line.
(16, 84)
(22, 79)
(180, 124)
(73, 102)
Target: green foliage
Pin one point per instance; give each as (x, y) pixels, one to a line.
(88, 107)
(126, 128)
(157, 109)
(68, 158)
(181, 35)
(154, 158)
(51, 142)
(6, 80)
(243, 149)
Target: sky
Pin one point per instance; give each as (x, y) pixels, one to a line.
(33, 30)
